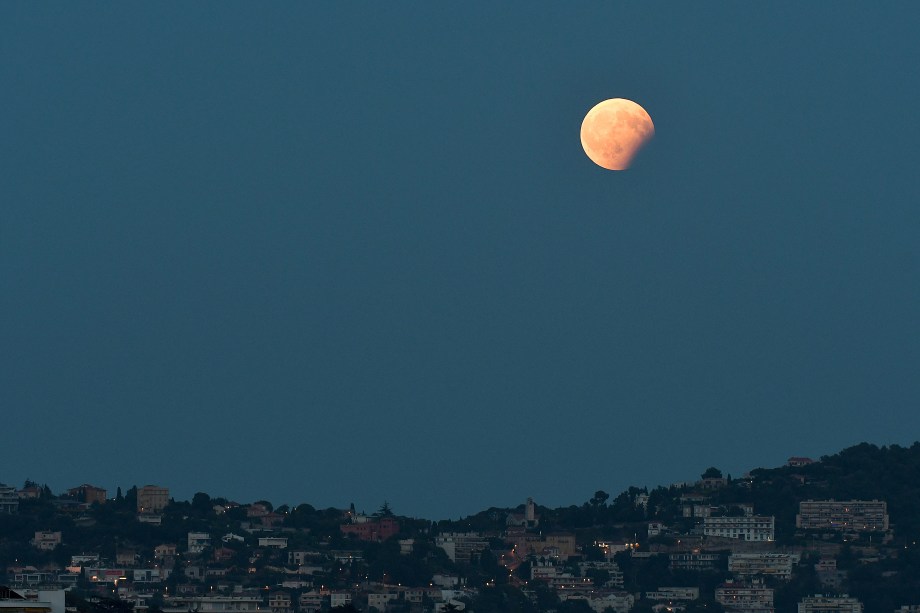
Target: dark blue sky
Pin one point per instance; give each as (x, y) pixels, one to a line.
(354, 252)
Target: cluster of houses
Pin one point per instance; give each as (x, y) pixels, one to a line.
(205, 574)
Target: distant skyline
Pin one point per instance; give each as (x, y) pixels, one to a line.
(367, 506)
(327, 253)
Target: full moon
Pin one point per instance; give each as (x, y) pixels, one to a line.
(614, 131)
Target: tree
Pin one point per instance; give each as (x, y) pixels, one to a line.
(201, 504)
(384, 510)
(712, 473)
(600, 498)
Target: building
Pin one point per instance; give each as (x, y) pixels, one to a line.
(610, 567)
(843, 515)
(146, 575)
(674, 594)
(164, 550)
(9, 499)
(212, 604)
(747, 597)
(377, 530)
(125, 557)
(829, 604)
(339, 599)
(694, 561)
(88, 494)
(280, 602)
(42, 601)
(753, 528)
(152, 499)
(778, 565)
(527, 519)
(198, 541)
(619, 602)
(46, 540)
(797, 461)
(310, 602)
(379, 600)
(273, 542)
(552, 544)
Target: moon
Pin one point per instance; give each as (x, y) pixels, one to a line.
(614, 131)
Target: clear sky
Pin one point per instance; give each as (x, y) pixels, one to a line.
(335, 252)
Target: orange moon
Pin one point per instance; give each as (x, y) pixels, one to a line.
(614, 131)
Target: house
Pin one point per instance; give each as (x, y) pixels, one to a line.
(379, 600)
(9, 499)
(311, 602)
(87, 493)
(377, 530)
(30, 492)
(257, 510)
(280, 602)
(125, 557)
(164, 550)
(339, 598)
(271, 520)
(46, 540)
(152, 499)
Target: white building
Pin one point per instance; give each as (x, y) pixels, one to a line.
(843, 515)
(379, 600)
(461, 546)
(212, 604)
(42, 601)
(828, 604)
(754, 528)
(198, 541)
(778, 565)
(273, 542)
(674, 594)
(747, 597)
(9, 499)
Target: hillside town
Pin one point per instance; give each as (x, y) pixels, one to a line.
(715, 544)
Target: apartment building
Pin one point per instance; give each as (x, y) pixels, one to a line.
(777, 565)
(9, 499)
(198, 542)
(672, 594)
(462, 547)
(829, 604)
(843, 515)
(746, 597)
(694, 561)
(753, 528)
